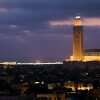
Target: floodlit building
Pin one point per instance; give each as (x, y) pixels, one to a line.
(92, 55)
(79, 54)
(77, 39)
(78, 86)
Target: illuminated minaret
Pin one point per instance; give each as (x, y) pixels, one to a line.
(77, 39)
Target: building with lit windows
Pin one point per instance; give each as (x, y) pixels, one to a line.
(78, 86)
(79, 54)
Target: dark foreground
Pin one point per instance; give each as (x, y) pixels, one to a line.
(68, 81)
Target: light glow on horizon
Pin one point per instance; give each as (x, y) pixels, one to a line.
(37, 63)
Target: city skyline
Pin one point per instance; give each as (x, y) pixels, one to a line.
(32, 30)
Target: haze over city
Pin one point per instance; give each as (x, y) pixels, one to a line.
(32, 30)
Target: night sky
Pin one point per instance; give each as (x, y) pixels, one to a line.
(41, 30)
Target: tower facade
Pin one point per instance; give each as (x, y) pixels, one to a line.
(77, 39)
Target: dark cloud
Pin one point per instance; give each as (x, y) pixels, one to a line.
(54, 5)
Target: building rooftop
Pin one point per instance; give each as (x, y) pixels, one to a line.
(92, 50)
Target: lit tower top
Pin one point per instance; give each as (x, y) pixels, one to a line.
(77, 21)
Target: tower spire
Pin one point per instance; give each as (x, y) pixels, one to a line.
(77, 21)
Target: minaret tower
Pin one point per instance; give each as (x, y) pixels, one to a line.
(77, 39)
